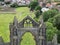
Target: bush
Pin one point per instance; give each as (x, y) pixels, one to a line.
(57, 24)
(38, 8)
(51, 31)
(49, 14)
(32, 5)
(14, 5)
(37, 14)
(56, 21)
(7, 2)
(51, 20)
(2, 0)
(58, 36)
(36, 19)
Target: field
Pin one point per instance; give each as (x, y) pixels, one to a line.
(5, 19)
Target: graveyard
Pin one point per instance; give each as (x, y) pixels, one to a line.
(30, 23)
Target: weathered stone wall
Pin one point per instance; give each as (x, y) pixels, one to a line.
(17, 30)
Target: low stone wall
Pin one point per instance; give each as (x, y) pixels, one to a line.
(7, 10)
(49, 43)
(54, 41)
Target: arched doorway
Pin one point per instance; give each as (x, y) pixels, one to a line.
(18, 29)
(28, 39)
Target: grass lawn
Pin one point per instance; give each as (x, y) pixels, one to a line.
(28, 39)
(5, 19)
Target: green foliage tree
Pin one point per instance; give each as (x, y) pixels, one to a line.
(32, 5)
(37, 14)
(51, 31)
(28, 39)
(57, 21)
(51, 20)
(49, 14)
(14, 5)
(58, 36)
(38, 8)
(1, 0)
(57, 24)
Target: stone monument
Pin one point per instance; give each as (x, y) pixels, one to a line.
(17, 30)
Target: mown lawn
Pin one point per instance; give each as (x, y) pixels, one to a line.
(28, 39)
(5, 19)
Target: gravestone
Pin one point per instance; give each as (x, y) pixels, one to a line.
(17, 30)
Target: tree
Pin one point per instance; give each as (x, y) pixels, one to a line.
(1, 0)
(32, 5)
(38, 8)
(58, 36)
(37, 14)
(49, 14)
(57, 21)
(51, 31)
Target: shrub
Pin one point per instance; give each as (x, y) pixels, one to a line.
(51, 20)
(51, 31)
(38, 8)
(2, 0)
(36, 19)
(57, 21)
(7, 2)
(32, 5)
(37, 14)
(58, 36)
(49, 14)
(14, 5)
(57, 24)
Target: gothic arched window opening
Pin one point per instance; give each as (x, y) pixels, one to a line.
(28, 23)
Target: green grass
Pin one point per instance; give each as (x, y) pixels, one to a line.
(5, 19)
(28, 39)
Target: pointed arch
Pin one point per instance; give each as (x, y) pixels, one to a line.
(30, 38)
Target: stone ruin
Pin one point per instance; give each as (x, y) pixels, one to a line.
(38, 30)
(17, 30)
